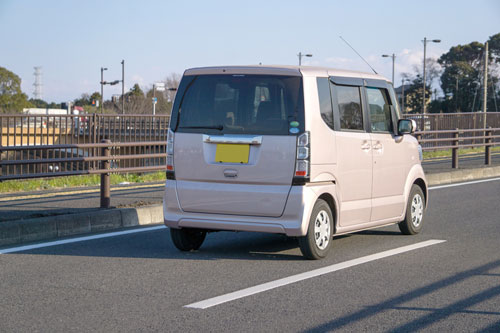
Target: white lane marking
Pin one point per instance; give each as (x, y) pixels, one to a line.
(464, 183)
(307, 275)
(78, 239)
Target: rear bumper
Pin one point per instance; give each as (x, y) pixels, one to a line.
(293, 221)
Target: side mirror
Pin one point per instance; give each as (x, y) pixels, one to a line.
(406, 126)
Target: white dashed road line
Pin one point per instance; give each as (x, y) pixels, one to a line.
(307, 275)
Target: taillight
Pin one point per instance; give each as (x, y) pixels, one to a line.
(170, 155)
(301, 175)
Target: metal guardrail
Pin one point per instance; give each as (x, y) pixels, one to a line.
(460, 138)
(107, 161)
(451, 121)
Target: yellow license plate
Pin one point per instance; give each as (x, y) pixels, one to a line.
(232, 153)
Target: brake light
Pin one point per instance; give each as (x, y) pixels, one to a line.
(301, 175)
(170, 155)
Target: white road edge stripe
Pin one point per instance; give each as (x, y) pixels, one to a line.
(464, 183)
(78, 239)
(307, 275)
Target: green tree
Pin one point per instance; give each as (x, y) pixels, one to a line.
(136, 91)
(83, 100)
(54, 105)
(413, 94)
(12, 99)
(136, 101)
(38, 103)
(95, 97)
(494, 46)
(460, 80)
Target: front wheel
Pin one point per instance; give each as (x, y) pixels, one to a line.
(415, 207)
(187, 239)
(317, 242)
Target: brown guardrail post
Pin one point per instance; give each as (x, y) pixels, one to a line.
(454, 151)
(105, 181)
(487, 148)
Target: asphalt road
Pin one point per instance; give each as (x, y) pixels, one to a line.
(139, 282)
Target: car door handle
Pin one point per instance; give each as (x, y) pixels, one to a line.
(365, 146)
(378, 146)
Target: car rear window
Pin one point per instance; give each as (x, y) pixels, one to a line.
(240, 104)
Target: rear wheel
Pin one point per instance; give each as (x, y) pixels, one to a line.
(317, 242)
(412, 224)
(187, 239)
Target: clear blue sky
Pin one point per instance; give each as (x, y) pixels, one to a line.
(72, 39)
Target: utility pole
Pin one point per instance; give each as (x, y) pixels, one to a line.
(403, 95)
(123, 86)
(425, 78)
(485, 83)
(102, 84)
(154, 100)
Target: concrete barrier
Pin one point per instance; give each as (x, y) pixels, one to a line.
(43, 228)
(462, 175)
(49, 227)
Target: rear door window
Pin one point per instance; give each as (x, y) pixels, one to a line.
(242, 104)
(349, 104)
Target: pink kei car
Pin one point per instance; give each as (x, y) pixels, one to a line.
(303, 151)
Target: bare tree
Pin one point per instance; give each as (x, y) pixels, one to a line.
(172, 81)
(432, 68)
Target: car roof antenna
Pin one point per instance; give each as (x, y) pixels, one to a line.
(374, 71)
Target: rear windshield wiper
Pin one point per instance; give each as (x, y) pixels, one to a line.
(219, 127)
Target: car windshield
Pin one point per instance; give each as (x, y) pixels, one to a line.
(241, 104)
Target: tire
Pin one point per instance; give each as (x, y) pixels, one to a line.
(187, 239)
(317, 242)
(415, 208)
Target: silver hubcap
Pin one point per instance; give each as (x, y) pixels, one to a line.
(417, 210)
(322, 230)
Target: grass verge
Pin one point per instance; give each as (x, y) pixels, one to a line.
(75, 181)
(465, 151)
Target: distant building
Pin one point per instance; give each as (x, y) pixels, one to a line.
(52, 112)
(44, 112)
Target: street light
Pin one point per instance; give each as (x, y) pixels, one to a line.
(393, 56)
(102, 83)
(300, 55)
(425, 77)
(111, 83)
